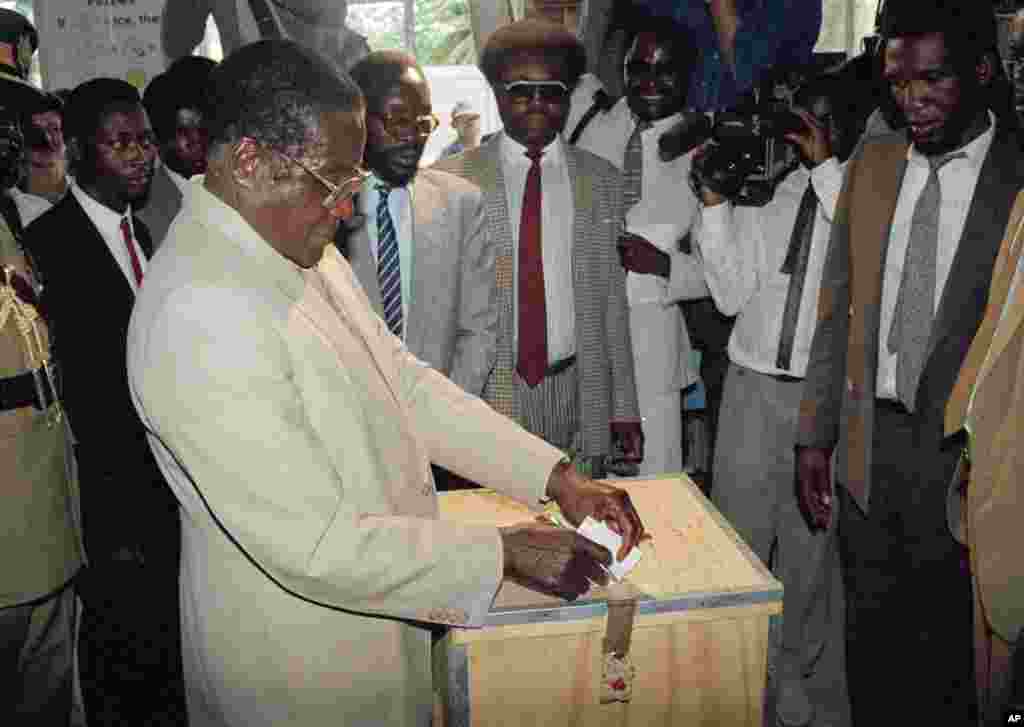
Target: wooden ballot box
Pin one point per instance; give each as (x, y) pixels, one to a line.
(699, 633)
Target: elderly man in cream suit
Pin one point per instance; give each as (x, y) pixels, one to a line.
(297, 432)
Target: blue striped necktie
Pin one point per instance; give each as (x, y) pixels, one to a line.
(389, 272)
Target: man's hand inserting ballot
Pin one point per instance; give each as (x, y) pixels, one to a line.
(553, 560)
(579, 497)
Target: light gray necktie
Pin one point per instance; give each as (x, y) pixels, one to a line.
(633, 167)
(915, 304)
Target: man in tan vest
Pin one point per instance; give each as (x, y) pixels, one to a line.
(40, 548)
(914, 240)
(984, 505)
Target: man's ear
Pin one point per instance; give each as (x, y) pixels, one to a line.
(248, 164)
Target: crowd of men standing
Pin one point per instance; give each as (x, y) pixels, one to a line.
(162, 513)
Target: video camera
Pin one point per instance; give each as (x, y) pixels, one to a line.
(750, 154)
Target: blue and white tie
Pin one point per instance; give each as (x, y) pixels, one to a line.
(389, 272)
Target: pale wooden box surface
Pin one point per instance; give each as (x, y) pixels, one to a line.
(699, 640)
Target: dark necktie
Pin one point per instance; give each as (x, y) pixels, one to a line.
(633, 167)
(389, 271)
(915, 304)
(532, 359)
(126, 233)
(795, 266)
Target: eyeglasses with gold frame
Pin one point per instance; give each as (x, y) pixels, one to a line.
(339, 198)
(395, 124)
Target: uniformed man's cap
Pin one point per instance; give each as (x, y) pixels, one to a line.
(14, 26)
(18, 41)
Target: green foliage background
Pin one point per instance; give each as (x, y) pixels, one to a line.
(443, 35)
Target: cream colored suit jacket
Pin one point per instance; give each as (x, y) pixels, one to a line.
(994, 415)
(298, 434)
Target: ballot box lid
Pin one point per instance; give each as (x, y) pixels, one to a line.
(694, 559)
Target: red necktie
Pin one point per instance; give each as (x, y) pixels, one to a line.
(126, 232)
(533, 319)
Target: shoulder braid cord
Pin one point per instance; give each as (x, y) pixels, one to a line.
(26, 320)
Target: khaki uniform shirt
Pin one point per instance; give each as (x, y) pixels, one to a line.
(40, 545)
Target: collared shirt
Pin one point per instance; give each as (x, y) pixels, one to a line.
(957, 180)
(556, 227)
(108, 222)
(744, 249)
(30, 206)
(400, 207)
(667, 210)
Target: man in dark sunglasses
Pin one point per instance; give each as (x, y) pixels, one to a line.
(565, 361)
(423, 255)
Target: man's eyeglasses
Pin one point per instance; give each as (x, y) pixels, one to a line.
(525, 91)
(124, 145)
(398, 124)
(339, 197)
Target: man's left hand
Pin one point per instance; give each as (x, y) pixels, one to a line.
(579, 497)
(641, 256)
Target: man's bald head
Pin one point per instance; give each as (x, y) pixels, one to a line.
(381, 71)
(399, 115)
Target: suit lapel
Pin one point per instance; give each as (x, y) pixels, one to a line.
(98, 257)
(363, 265)
(998, 184)
(970, 372)
(877, 194)
(428, 218)
(583, 196)
(1010, 320)
(879, 176)
(485, 161)
(142, 237)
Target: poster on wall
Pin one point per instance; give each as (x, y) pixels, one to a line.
(135, 39)
(83, 39)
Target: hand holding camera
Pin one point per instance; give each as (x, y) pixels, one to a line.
(812, 140)
(741, 151)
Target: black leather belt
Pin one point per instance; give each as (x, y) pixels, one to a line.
(786, 378)
(25, 390)
(560, 366)
(893, 405)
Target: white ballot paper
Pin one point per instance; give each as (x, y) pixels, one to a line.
(601, 534)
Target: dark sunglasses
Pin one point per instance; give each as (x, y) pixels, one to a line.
(524, 91)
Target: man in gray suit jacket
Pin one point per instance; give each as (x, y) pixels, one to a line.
(423, 255)
(174, 102)
(564, 364)
(879, 375)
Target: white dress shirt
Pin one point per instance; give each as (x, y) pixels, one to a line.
(667, 210)
(400, 207)
(743, 250)
(31, 206)
(556, 230)
(957, 180)
(108, 222)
